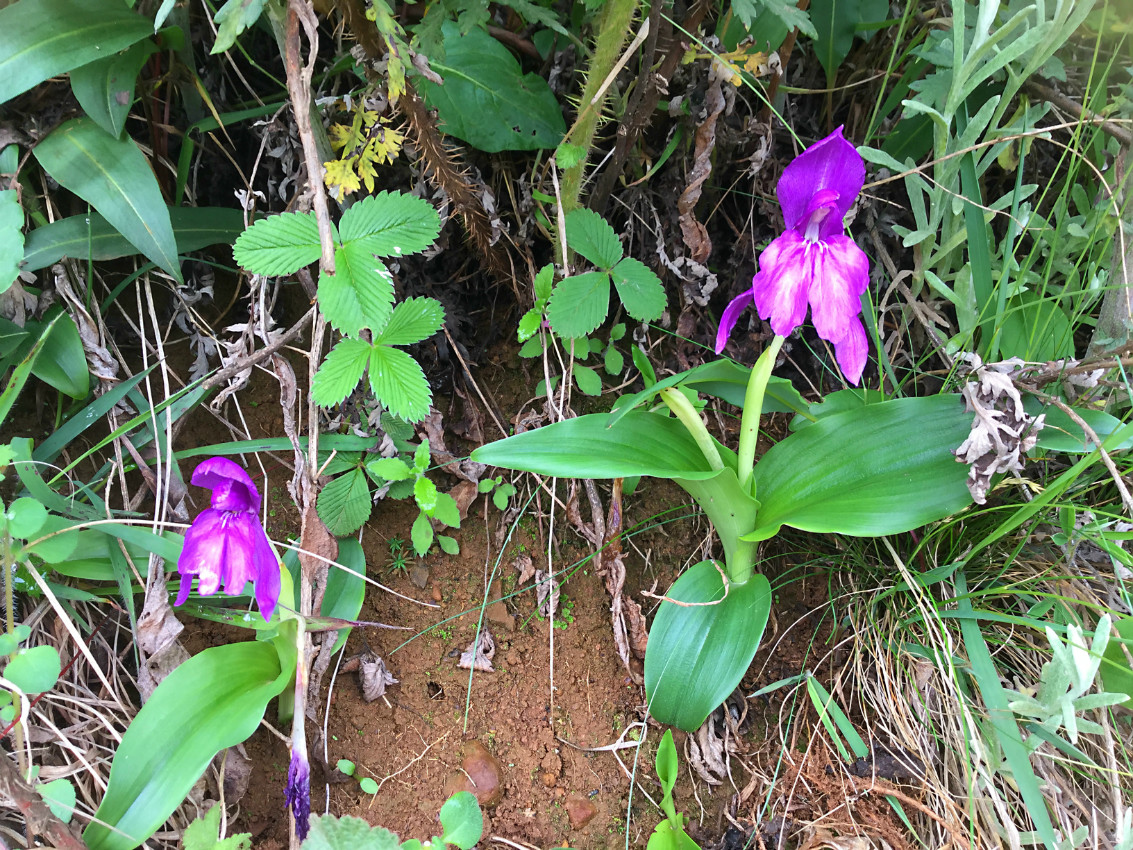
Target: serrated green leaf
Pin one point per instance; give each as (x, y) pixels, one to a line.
(59, 794)
(34, 670)
(640, 289)
(413, 320)
(399, 383)
(587, 380)
(528, 325)
(591, 236)
(279, 245)
(421, 456)
(340, 372)
(348, 833)
(448, 545)
(786, 11)
(390, 469)
(543, 283)
(360, 293)
(567, 156)
(43, 39)
(425, 492)
(461, 818)
(446, 510)
(204, 834)
(579, 304)
(233, 18)
(344, 504)
(11, 237)
(115, 178)
(487, 100)
(421, 534)
(391, 224)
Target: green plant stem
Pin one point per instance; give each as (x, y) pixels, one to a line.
(753, 406)
(684, 411)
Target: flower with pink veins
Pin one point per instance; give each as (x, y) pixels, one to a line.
(814, 262)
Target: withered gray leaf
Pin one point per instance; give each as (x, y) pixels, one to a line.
(479, 654)
(374, 676)
(547, 592)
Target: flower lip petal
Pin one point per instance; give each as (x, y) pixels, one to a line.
(786, 274)
(841, 275)
(232, 487)
(852, 352)
(832, 163)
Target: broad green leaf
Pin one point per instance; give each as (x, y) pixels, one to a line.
(579, 304)
(279, 244)
(425, 494)
(348, 833)
(462, 820)
(529, 325)
(882, 469)
(667, 765)
(584, 447)
(92, 237)
(11, 237)
(448, 545)
(613, 361)
(345, 591)
(59, 794)
(1117, 676)
(543, 283)
(1060, 433)
(390, 469)
(697, 655)
(421, 534)
(591, 235)
(399, 383)
(340, 372)
(487, 100)
(754, 15)
(1035, 329)
(233, 18)
(640, 289)
(589, 383)
(391, 224)
(63, 362)
(835, 22)
(115, 178)
(105, 88)
(360, 292)
(41, 39)
(214, 700)
(344, 504)
(446, 510)
(26, 517)
(34, 670)
(413, 320)
(204, 834)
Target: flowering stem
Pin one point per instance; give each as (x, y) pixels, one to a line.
(753, 406)
(684, 411)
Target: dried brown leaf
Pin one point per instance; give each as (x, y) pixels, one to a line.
(373, 676)
(479, 654)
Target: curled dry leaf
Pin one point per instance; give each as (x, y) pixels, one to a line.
(479, 654)
(373, 676)
(526, 568)
(547, 593)
(1002, 431)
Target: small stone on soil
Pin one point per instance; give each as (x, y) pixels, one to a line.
(481, 774)
(580, 811)
(419, 574)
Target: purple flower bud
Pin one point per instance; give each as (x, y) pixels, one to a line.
(226, 544)
(299, 792)
(814, 262)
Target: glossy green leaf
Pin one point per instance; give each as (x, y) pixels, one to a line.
(40, 39)
(115, 178)
(344, 504)
(391, 224)
(63, 361)
(412, 320)
(22, 372)
(697, 655)
(59, 794)
(348, 833)
(835, 23)
(641, 291)
(591, 236)
(584, 447)
(589, 383)
(105, 88)
(26, 517)
(462, 820)
(1062, 434)
(233, 18)
(579, 304)
(214, 700)
(11, 237)
(882, 469)
(666, 763)
(34, 670)
(346, 591)
(487, 100)
(92, 237)
(1035, 329)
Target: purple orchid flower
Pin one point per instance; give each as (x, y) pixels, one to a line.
(226, 544)
(814, 260)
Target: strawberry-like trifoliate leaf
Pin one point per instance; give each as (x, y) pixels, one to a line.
(399, 383)
(391, 224)
(413, 320)
(590, 235)
(340, 372)
(579, 304)
(640, 289)
(279, 245)
(359, 294)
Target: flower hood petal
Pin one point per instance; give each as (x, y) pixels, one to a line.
(830, 164)
(232, 487)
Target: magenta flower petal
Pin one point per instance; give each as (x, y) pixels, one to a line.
(226, 545)
(840, 276)
(852, 351)
(232, 487)
(730, 317)
(780, 288)
(830, 164)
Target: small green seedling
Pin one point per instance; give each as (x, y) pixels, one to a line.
(501, 491)
(348, 768)
(462, 825)
(670, 833)
(432, 504)
(397, 555)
